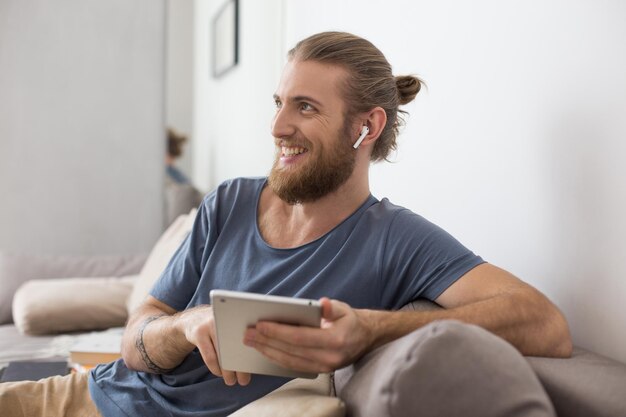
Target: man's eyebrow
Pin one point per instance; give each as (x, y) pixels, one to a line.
(300, 98)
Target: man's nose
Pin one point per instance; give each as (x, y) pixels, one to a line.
(282, 124)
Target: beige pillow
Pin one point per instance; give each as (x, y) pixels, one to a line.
(71, 304)
(17, 268)
(298, 397)
(159, 257)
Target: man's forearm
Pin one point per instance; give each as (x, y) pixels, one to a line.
(153, 342)
(526, 319)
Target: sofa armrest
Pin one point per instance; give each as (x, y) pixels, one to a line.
(584, 385)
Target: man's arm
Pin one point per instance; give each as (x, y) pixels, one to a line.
(494, 299)
(157, 339)
(486, 296)
(501, 303)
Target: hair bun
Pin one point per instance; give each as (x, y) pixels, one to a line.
(408, 87)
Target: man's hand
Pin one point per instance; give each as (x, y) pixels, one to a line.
(199, 328)
(157, 339)
(342, 339)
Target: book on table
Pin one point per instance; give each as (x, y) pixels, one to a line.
(96, 348)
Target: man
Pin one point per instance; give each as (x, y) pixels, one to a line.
(313, 230)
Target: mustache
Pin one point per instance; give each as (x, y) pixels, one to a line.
(299, 141)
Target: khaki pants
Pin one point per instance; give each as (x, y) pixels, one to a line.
(57, 396)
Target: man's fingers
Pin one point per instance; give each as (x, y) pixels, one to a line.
(308, 359)
(296, 335)
(313, 360)
(333, 310)
(210, 359)
(243, 378)
(255, 339)
(230, 378)
(311, 349)
(313, 337)
(327, 308)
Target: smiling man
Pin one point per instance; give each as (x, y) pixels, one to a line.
(314, 157)
(299, 233)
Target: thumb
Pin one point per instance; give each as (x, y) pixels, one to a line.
(331, 309)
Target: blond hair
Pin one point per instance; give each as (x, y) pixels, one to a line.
(370, 83)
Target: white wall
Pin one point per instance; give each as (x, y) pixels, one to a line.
(232, 114)
(179, 75)
(81, 125)
(517, 147)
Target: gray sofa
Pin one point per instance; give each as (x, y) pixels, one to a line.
(385, 382)
(584, 385)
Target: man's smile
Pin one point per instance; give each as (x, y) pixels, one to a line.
(292, 150)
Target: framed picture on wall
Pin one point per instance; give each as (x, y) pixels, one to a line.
(226, 38)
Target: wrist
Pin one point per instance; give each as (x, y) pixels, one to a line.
(369, 321)
(381, 326)
(149, 359)
(181, 325)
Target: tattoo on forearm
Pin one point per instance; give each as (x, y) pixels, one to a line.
(142, 348)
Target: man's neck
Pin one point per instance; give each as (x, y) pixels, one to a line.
(284, 225)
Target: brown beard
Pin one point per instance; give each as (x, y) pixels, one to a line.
(318, 177)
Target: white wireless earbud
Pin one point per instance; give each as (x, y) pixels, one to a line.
(364, 133)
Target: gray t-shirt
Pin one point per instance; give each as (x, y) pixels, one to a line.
(381, 257)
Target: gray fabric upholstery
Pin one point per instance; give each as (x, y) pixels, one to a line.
(421, 305)
(179, 199)
(584, 385)
(444, 369)
(15, 269)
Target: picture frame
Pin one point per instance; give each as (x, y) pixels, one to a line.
(225, 27)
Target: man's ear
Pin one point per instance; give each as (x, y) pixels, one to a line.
(375, 121)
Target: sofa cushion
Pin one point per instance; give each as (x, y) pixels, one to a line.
(586, 384)
(71, 304)
(298, 397)
(16, 269)
(159, 257)
(179, 200)
(446, 368)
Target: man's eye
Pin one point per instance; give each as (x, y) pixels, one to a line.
(278, 104)
(306, 107)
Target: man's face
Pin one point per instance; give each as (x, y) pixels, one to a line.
(314, 155)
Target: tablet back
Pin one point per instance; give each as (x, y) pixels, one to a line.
(236, 311)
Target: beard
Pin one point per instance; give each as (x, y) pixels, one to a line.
(321, 175)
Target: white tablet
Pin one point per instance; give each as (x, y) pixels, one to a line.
(236, 311)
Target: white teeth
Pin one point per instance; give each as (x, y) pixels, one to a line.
(291, 151)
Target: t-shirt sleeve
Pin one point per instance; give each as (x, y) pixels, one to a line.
(421, 260)
(178, 282)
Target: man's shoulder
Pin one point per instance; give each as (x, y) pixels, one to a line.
(232, 197)
(388, 210)
(235, 188)
(386, 213)
(243, 183)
